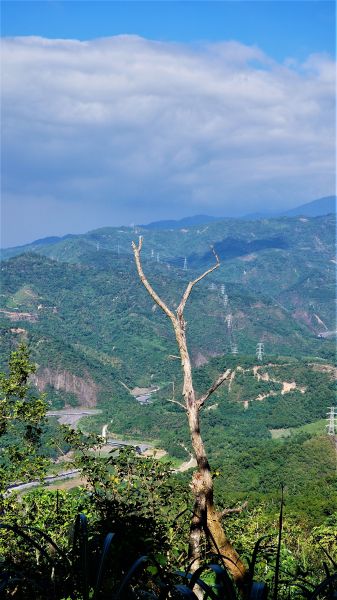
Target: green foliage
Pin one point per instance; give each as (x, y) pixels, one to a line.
(90, 563)
(139, 499)
(22, 415)
(58, 399)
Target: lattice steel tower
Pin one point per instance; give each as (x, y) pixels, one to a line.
(331, 420)
(260, 351)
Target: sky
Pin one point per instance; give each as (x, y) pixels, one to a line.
(128, 112)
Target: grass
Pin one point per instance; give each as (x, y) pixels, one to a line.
(315, 428)
(276, 434)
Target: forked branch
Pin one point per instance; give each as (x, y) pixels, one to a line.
(191, 284)
(175, 319)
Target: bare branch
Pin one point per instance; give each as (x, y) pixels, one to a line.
(191, 284)
(229, 511)
(176, 402)
(214, 387)
(147, 285)
(126, 387)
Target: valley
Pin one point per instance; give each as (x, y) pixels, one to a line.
(105, 351)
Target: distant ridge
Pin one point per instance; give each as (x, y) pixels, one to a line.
(316, 208)
(185, 222)
(52, 239)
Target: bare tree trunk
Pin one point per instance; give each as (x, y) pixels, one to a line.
(205, 516)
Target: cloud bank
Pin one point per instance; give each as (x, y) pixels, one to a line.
(125, 129)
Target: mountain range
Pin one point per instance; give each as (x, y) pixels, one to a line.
(316, 208)
(319, 207)
(79, 298)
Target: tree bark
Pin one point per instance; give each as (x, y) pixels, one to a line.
(205, 517)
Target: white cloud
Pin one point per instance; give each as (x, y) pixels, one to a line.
(162, 129)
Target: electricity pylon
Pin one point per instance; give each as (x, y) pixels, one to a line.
(331, 420)
(229, 321)
(260, 351)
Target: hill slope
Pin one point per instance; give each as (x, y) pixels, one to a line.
(88, 316)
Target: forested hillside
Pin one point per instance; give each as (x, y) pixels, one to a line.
(99, 341)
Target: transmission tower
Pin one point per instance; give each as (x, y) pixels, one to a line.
(229, 320)
(225, 300)
(97, 246)
(157, 257)
(212, 287)
(331, 422)
(222, 289)
(185, 264)
(260, 351)
(234, 349)
(152, 253)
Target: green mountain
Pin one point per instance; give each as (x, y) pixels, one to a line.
(97, 336)
(82, 306)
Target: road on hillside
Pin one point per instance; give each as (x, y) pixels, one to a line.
(71, 416)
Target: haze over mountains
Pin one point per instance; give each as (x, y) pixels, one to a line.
(318, 207)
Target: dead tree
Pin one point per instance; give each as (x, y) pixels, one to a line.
(206, 518)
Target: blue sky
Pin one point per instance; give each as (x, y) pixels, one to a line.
(119, 112)
(283, 28)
